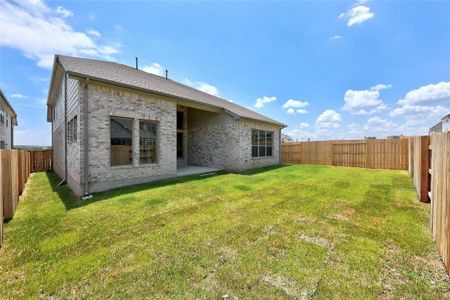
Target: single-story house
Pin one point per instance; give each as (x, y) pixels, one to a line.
(442, 126)
(8, 119)
(114, 125)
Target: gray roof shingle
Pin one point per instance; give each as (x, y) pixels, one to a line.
(128, 76)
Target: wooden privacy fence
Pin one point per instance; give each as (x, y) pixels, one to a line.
(419, 165)
(375, 154)
(41, 160)
(439, 181)
(14, 173)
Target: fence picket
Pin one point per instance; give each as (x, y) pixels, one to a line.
(377, 154)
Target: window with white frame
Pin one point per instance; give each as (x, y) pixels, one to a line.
(262, 143)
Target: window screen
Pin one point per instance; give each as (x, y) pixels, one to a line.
(121, 141)
(147, 142)
(262, 143)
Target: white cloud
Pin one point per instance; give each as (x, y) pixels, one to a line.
(428, 94)
(380, 87)
(437, 111)
(63, 12)
(303, 125)
(19, 96)
(203, 86)
(357, 14)
(295, 104)
(32, 137)
(300, 134)
(207, 88)
(93, 32)
(41, 100)
(155, 69)
(260, 102)
(354, 129)
(422, 107)
(363, 102)
(335, 37)
(328, 119)
(377, 124)
(39, 32)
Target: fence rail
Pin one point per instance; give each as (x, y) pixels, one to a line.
(14, 173)
(374, 154)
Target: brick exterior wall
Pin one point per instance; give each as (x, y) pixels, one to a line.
(213, 139)
(220, 141)
(246, 161)
(105, 102)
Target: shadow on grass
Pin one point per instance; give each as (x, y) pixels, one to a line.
(263, 170)
(71, 201)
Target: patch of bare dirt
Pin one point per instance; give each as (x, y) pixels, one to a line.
(433, 268)
(317, 240)
(338, 217)
(390, 275)
(280, 282)
(269, 229)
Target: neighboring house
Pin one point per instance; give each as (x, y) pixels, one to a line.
(286, 138)
(446, 123)
(8, 119)
(442, 126)
(125, 126)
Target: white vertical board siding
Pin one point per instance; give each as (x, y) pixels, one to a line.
(5, 129)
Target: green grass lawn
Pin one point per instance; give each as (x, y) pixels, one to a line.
(295, 231)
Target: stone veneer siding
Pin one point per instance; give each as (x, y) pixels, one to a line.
(107, 101)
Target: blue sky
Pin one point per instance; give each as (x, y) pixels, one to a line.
(327, 69)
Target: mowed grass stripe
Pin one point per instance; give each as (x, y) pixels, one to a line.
(291, 231)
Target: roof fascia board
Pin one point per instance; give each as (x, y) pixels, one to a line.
(8, 104)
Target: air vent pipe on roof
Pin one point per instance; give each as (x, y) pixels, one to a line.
(167, 74)
(137, 66)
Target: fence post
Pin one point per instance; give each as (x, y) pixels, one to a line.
(7, 185)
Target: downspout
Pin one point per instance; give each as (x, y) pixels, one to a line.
(64, 181)
(53, 152)
(86, 195)
(12, 132)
